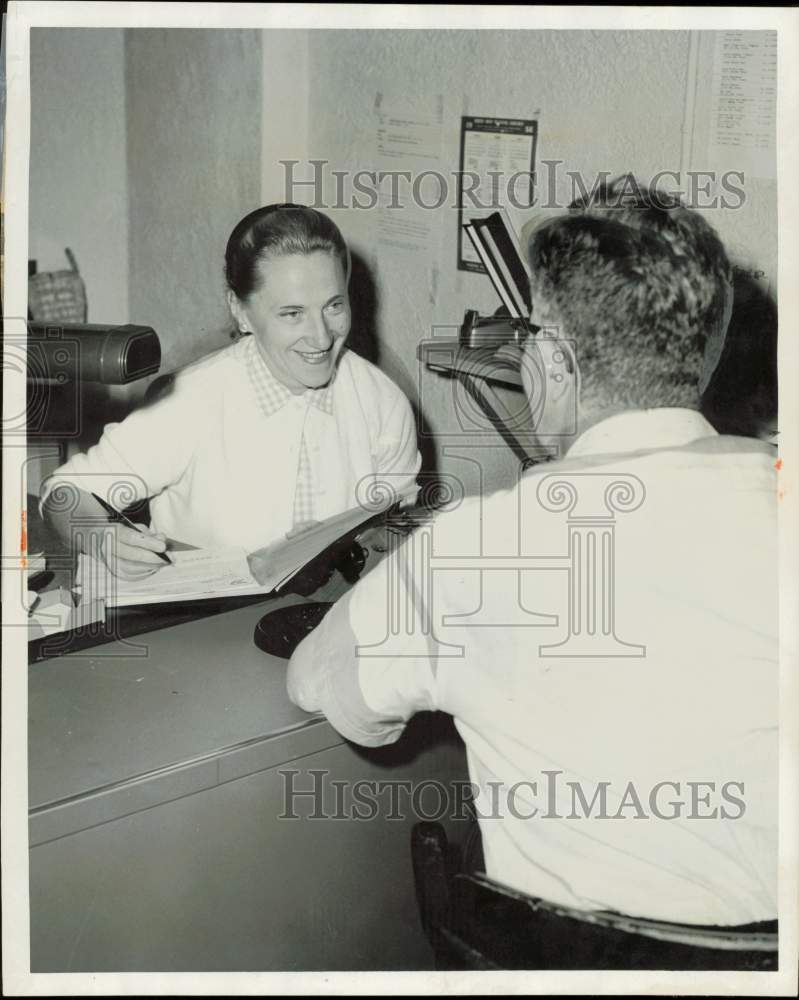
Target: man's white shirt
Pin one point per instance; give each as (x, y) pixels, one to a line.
(687, 727)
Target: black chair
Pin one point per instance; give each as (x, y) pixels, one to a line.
(475, 923)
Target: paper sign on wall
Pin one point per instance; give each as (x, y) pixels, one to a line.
(408, 158)
(496, 169)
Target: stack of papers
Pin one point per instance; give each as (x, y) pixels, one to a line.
(193, 575)
(197, 574)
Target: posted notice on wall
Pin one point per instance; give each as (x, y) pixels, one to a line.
(497, 165)
(743, 106)
(408, 161)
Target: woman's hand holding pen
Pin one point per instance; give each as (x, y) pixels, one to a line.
(132, 554)
(131, 551)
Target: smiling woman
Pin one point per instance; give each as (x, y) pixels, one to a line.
(260, 437)
(299, 312)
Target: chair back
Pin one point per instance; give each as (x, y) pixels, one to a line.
(473, 922)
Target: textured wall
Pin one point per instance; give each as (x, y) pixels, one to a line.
(147, 146)
(194, 161)
(608, 101)
(78, 176)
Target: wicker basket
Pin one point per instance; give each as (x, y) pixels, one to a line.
(58, 296)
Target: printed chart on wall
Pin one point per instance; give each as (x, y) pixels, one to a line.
(732, 97)
(496, 169)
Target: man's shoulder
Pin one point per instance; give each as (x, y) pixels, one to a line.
(720, 451)
(723, 482)
(665, 438)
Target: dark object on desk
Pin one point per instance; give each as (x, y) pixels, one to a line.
(478, 369)
(345, 555)
(279, 632)
(496, 247)
(40, 581)
(90, 352)
(493, 331)
(475, 923)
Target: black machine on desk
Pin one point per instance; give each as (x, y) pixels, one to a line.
(478, 359)
(492, 331)
(92, 352)
(68, 364)
(496, 248)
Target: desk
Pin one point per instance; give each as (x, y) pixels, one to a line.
(156, 792)
(479, 371)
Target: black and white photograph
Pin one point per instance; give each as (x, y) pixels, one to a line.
(399, 499)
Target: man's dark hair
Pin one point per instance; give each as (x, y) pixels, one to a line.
(639, 283)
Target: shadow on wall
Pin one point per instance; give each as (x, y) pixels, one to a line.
(365, 341)
(742, 396)
(364, 301)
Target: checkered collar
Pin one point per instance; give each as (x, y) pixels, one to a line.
(271, 394)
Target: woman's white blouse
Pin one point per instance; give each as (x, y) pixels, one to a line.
(219, 455)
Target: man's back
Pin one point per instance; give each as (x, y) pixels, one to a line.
(625, 754)
(617, 740)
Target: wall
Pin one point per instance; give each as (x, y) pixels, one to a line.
(194, 163)
(285, 86)
(608, 101)
(148, 146)
(78, 174)
(78, 184)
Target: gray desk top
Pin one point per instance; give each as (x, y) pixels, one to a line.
(135, 706)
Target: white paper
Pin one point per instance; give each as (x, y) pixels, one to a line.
(743, 106)
(197, 574)
(494, 157)
(408, 142)
(194, 574)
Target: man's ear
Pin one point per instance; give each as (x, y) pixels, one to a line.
(237, 311)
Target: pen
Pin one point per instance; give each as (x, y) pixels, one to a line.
(115, 515)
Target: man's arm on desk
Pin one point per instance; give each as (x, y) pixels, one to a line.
(368, 699)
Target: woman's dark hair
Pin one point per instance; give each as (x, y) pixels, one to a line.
(277, 231)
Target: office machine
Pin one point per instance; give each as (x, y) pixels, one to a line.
(92, 352)
(477, 359)
(69, 366)
(482, 331)
(496, 248)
